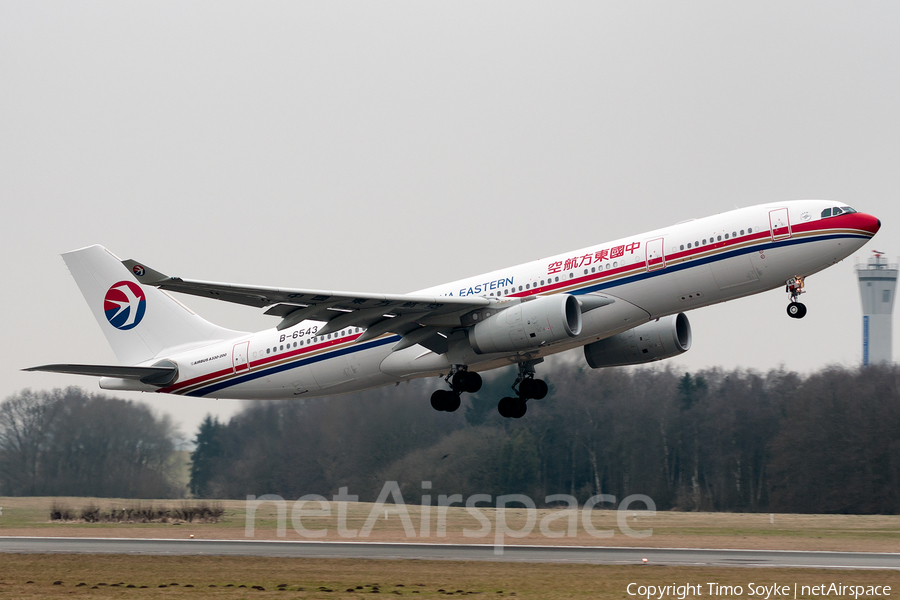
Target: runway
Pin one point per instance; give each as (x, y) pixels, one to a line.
(480, 552)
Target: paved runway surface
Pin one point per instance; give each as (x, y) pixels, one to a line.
(550, 554)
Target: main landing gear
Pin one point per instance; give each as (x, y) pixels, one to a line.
(460, 381)
(795, 310)
(529, 389)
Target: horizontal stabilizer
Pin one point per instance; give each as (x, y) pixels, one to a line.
(161, 374)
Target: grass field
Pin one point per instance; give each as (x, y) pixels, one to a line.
(93, 576)
(878, 533)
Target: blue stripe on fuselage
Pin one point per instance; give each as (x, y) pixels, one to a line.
(292, 365)
(584, 290)
(691, 263)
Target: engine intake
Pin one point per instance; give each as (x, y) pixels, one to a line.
(659, 339)
(529, 324)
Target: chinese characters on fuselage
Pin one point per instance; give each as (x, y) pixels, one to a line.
(589, 258)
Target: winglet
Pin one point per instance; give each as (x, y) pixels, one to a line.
(145, 274)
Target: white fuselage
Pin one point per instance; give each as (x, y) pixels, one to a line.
(650, 275)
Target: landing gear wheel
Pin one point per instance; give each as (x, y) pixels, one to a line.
(796, 310)
(473, 382)
(452, 402)
(506, 407)
(512, 408)
(528, 388)
(437, 399)
(444, 400)
(535, 389)
(520, 407)
(465, 381)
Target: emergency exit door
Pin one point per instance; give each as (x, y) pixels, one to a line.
(239, 359)
(779, 224)
(656, 258)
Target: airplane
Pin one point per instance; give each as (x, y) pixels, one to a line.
(622, 302)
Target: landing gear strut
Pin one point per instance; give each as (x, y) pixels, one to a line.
(795, 310)
(529, 388)
(460, 380)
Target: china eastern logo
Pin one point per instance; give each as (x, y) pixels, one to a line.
(124, 305)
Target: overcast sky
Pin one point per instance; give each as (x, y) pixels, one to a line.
(388, 147)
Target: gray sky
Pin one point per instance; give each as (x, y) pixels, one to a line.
(389, 147)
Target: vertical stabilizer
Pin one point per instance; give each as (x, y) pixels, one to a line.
(140, 322)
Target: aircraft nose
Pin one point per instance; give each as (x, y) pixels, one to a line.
(870, 223)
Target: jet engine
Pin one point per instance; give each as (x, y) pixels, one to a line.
(656, 340)
(529, 324)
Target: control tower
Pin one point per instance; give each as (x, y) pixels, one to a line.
(877, 282)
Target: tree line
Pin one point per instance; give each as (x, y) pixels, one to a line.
(718, 440)
(69, 443)
(712, 440)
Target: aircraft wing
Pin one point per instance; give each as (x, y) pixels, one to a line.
(415, 317)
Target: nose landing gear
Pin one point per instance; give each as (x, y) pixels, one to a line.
(795, 310)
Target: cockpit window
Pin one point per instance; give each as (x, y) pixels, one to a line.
(835, 211)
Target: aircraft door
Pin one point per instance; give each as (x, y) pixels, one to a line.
(656, 256)
(239, 359)
(779, 224)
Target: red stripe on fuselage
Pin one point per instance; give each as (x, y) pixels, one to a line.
(258, 363)
(855, 221)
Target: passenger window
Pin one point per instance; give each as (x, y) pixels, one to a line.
(542, 282)
(720, 238)
(682, 246)
(593, 269)
(585, 271)
(267, 350)
(527, 286)
(742, 232)
(520, 288)
(557, 278)
(704, 241)
(749, 230)
(726, 236)
(571, 275)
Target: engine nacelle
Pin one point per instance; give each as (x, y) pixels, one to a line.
(529, 324)
(659, 339)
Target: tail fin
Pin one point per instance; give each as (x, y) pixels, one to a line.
(140, 322)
